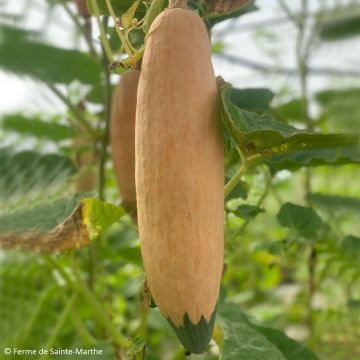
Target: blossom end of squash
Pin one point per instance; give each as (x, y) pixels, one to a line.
(195, 337)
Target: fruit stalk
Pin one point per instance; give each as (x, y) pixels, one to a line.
(181, 4)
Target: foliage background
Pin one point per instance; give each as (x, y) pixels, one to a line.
(292, 236)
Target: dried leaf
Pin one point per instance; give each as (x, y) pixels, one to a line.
(71, 234)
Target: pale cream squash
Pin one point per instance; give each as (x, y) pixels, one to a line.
(180, 174)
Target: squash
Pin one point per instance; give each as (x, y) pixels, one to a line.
(82, 8)
(122, 137)
(180, 175)
(86, 159)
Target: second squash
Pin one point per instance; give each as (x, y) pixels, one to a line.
(122, 137)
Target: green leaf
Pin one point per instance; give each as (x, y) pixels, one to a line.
(22, 53)
(35, 126)
(131, 255)
(218, 47)
(99, 215)
(290, 349)
(340, 108)
(303, 219)
(340, 29)
(327, 97)
(252, 99)
(242, 342)
(351, 245)
(120, 7)
(248, 212)
(239, 191)
(137, 344)
(292, 110)
(261, 138)
(334, 203)
(27, 175)
(57, 225)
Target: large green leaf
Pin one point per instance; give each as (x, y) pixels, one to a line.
(242, 342)
(22, 53)
(288, 348)
(261, 138)
(340, 108)
(334, 203)
(28, 175)
(252, 99)
(303, 219)
(292, 110)
(340, 29)
(351, 245)
(57, 225)
(120, 7)
(35, 126)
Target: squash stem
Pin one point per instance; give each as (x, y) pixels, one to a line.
(181, 4)
(103, 37)
(229, 187)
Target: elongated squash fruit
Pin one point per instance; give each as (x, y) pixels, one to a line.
(122, 137)
(180, 175)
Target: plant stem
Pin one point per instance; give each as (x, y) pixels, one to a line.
(100, 313)
(60, 323)
(81, 288)
(104, 40)
(181, 4)
(302, 55)
(81, 28)
(85, 335)
(36, 311)
(229, 187)
(75, 111)
(105, 138)
(94, 246)
(119, 32)
(258, 204)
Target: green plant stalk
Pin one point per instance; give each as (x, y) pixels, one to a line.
(81, 288)
(94, 246)
(77, 114)
(154, 10)
(302, 55)
(36, 311)
(81, 329)
(131, 61)
(258, 204)
(102, 316)
(60, 323)
(76, 21)
(119, 32)
(103, 38)
(229, 187)
(105, 137)
(142, 330)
